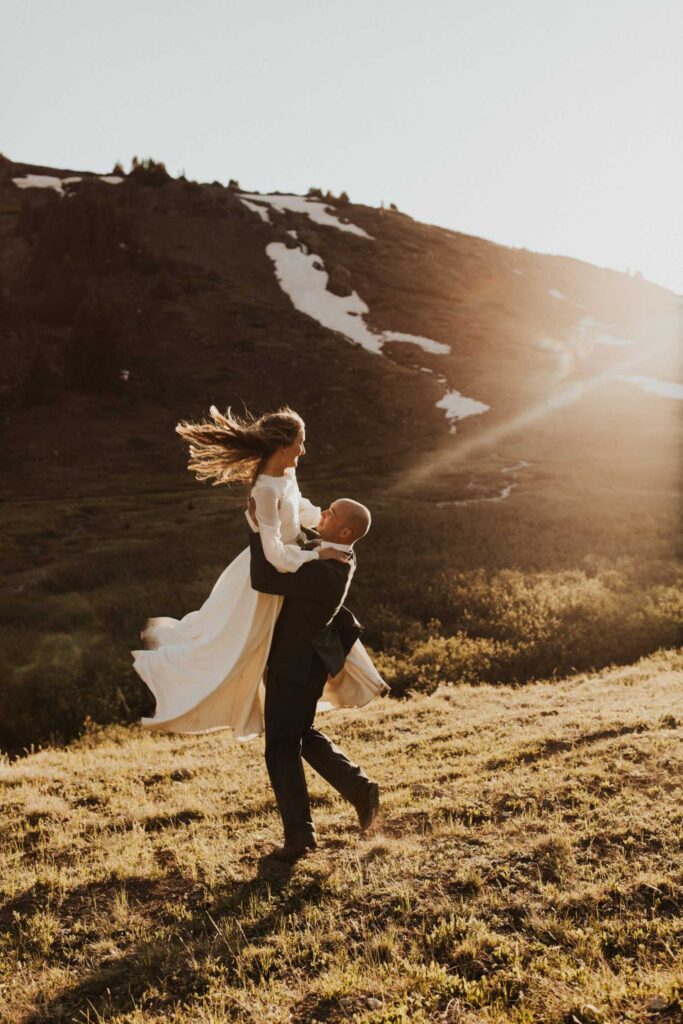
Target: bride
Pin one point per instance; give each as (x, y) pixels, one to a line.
(206, 670)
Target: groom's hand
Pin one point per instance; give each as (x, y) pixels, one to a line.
(338, 556)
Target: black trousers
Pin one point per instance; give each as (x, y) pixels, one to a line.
(290, 736)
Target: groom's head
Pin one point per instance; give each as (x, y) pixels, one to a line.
(344, 522)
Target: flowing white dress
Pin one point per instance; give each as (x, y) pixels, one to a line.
(206, 670)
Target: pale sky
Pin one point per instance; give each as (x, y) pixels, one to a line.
(553, 125)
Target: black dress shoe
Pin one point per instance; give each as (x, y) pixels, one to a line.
(290, 853)
(367, 806)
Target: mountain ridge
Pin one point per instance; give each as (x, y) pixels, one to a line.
(172, 271)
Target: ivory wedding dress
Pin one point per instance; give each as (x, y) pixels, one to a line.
(206, 670)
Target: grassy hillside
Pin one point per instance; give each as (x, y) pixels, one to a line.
(527, 869)
(555, 579)
(539, 538)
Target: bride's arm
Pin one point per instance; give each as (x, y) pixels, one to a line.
(309, 514)
(283, 557)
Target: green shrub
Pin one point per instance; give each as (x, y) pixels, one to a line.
(486, 604)
(514, 626)
(70, 677)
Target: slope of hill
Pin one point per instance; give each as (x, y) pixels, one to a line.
(129, 302)
(513, 420)
(527, 869)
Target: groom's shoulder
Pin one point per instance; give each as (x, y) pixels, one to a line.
(329, 570)
(337, 571)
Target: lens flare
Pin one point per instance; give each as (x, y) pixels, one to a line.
(566, 393)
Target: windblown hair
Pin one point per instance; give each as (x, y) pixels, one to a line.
(234, 449)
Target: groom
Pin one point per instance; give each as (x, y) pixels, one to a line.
(313, 634)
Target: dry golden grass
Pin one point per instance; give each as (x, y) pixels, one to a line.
(527, 868)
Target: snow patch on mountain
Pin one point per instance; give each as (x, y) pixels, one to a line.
(581, 342)
(437, 348)
(303, 277)
(44, 181)
(317, 210)
(665, 388)
(457, 407)
(565, 358)
(262, 211)
(600, 334)
(51, 181)
(566, 394)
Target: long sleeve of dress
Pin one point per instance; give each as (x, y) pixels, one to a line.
(283, 557)
(309, 514)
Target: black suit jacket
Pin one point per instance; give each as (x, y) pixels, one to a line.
(313, 618)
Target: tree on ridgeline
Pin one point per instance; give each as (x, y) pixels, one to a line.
(149, 172)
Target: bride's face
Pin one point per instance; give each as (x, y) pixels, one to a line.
(292, 452)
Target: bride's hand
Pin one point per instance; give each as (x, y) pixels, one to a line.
(327, 553)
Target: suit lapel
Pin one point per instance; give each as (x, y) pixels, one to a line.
(348, 569)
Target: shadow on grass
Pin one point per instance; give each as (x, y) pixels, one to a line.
(158, 822)
(169, 963)
(549, 747)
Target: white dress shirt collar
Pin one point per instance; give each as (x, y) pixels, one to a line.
(348, 548)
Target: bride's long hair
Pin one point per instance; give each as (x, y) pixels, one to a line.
(234, 449)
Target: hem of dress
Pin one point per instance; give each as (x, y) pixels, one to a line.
(328, 705)
(166, 725)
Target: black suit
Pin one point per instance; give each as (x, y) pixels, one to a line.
(313, 634)
(313, 619)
